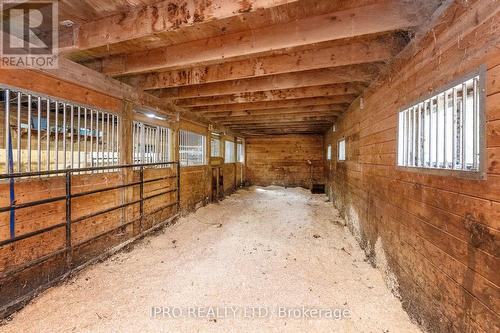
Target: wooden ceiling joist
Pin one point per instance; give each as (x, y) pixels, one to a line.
(333, 54)
(273, 119)
(309, 110)
(161, 17)
(275, 95)
(332, 26)
(354, 73)
(334, 101)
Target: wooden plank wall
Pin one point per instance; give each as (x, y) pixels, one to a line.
(434, 237)
(283, 160)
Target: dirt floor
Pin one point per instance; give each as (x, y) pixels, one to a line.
(263, 260)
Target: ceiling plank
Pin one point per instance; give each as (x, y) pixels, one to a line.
(275, 95)
(334, 100)
(348, 23)
(355, 73)
(338, 53)
(161, 17)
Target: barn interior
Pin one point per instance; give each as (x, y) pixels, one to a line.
(272, 156)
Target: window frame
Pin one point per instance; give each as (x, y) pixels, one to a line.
(204, 149)
(213, 138)
(116, 140)
(345, 149)
(157, 147)
(480, 173)
(241, 144)
(233, 154)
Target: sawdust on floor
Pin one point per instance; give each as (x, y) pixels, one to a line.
(262, 258)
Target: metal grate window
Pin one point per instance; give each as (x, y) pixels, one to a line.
(191, 148)
(215, 147)
(41, 133)
(341, 150)
(151, 143)
(240, 152)
(229, 152)
(329, 152)
(443, 131)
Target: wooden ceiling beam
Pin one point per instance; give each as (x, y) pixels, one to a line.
(273, 119)
(311, 110)
(292, 103)
(162, 17)
(333, 54)
(277, 123)
(276, 95)
(348, 23)
(344, 74)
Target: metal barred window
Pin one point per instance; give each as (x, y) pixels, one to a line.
(42, 133)
(240, 152)
(443, 131)
(229, 152)
(215, 147)
(341, 150)
(151, 143)
(191, 148)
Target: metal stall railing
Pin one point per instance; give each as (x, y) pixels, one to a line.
(69, 196)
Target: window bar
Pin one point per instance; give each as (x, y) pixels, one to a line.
(142, 143)
(113, 139)
(19, 159)
(415, 136)
(56, 138)
(39, 134)
(429, 131)
(29, 134)
(157, 144)
(102, 140)
(150, 145)
(71, 131)
(97, 137)
(48, 134)
(145, 144)
(403, 138)
(475, 145)
(445, 99)
(85, 136)
(64, 136)
(434, 102)
(78, 138)
(421, 133)
(454, 128)
(464, 132)
(408, 134)
(107, 139)
(7, 129)
(91, 143)
(134, 142)
(149, 148)
(160, 145)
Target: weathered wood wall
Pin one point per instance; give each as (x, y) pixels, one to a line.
(435, 237)
(284, 160)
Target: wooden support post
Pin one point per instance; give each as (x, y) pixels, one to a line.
(125, 132)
